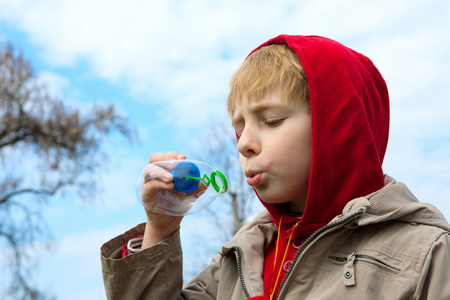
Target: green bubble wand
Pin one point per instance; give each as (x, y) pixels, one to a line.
(219, 188)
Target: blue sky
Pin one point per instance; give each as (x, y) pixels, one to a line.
(166, 66)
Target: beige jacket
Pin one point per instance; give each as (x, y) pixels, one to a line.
(383, 246)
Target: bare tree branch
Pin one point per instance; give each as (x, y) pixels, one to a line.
(64, 143)
(42, 192)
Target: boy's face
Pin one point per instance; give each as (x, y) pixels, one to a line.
(275, 149)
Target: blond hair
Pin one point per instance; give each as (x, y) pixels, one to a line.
(270, 67)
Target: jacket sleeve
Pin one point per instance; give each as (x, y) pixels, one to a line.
(153, 273)
(434, 279)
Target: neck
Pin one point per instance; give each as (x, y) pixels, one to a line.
(292, 211)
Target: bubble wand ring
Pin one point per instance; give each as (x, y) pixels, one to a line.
(205, 179)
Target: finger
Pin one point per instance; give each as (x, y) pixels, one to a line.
(154, 186)
(157, 156)
(152, 171)
(166, 156)
(175, 155)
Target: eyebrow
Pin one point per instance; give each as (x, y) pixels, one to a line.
(259, 106)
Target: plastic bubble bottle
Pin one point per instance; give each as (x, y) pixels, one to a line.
(195, 186)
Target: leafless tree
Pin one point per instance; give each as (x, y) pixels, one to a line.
(46, 147)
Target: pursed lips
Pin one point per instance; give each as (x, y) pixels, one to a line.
(253, 177)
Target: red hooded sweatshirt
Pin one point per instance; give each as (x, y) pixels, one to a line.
(349, 127)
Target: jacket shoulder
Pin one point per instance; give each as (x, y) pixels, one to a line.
(262, 219)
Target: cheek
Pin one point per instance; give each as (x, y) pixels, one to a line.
(295, 157)
(241, 162)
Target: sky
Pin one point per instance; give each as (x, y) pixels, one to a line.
(166, 66)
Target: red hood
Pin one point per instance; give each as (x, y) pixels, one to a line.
(349, 125)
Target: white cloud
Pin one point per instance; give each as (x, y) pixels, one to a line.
(179, 52)
(56, 84)
(169, 48)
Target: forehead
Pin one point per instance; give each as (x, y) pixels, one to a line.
(270, 102)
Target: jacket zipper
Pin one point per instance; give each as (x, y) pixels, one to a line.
(311, 238)
(349, 267)
(237, 250)
(357, 256)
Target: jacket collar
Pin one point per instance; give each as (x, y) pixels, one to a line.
(395, 202)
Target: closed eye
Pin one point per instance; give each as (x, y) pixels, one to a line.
(273, 123)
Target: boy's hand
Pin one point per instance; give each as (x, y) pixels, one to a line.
(159, 226)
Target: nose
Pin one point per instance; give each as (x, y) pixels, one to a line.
(248, 143)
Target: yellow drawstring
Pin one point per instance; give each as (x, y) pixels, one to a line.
(276, 255)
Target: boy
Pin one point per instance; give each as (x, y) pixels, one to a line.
(311, 118)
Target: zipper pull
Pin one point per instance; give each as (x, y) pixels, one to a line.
(349, 270)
